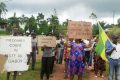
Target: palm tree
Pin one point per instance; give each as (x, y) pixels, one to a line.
(54, 23)
(93, 16)
(31, 24)
(13, 22)
(40, 18)
(2, 8)
(42, 24)
(23, 19)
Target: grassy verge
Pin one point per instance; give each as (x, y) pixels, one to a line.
(28, 75)
(2, 33)
(107, 68)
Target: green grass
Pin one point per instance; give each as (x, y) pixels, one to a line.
(3, 33)
(107, 68)
(28, 75)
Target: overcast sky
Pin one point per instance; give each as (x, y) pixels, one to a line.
(67, 9)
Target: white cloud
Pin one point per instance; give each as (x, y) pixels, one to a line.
(71, 9)
(77, 13)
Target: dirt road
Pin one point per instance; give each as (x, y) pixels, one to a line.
(59, 74)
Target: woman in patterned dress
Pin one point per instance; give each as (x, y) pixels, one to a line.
(76, 64)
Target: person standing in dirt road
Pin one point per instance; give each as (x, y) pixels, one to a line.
(47, 61)
(76, 65)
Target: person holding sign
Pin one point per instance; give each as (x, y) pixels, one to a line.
(16, 48)
(47, 63)
(76, 64)
(15, 72)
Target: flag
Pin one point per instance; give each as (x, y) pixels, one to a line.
(103, 44)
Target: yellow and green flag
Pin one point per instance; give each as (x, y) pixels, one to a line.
(103, 44)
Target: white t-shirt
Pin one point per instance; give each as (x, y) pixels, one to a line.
(116, 53)
(87, 43)
(34, 42)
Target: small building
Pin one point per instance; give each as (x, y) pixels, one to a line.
(3, 26)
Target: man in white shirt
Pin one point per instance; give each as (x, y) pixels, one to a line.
(34, 51)
(88, 55)
(114, 59)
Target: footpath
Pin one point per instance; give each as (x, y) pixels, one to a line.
(59, 74)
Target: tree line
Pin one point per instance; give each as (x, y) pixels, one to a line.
(40, 25)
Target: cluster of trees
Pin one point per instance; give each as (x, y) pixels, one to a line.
(38, 24)
(111, 29)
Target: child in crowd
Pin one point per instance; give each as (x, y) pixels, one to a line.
(99, 65)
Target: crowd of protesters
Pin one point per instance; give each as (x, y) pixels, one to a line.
(78, 55)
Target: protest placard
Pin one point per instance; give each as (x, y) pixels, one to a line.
(49, 41)
(79, 30)
(16, 44)
(16, 48)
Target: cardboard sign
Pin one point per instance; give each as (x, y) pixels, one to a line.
(3, 60)
(16, 48)
(15, 44)
(79, 30)
(49, 41)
